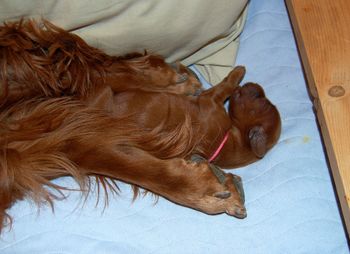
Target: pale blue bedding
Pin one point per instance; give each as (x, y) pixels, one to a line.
(289, 194)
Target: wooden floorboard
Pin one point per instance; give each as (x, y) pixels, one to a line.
(322, 31)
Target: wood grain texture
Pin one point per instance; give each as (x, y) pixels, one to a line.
(322, 30)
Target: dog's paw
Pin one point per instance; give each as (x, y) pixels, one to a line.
(228, 197)
(185, 81)
(218, 192)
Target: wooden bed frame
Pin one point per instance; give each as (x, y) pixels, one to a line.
(322, 31)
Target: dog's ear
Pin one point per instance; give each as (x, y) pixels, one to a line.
(258, 141)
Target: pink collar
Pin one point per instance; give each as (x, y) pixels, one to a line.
(218, 150)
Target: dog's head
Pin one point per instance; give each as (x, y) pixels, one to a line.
(256, 117)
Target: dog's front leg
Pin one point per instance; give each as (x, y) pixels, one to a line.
(191, 184)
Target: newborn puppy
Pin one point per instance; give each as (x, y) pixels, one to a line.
(256, 127)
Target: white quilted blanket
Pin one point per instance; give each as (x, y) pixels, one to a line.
(289, 195)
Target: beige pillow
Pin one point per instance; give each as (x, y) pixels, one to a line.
(202, 32)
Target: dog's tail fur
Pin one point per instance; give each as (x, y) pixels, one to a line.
(38, 59)
(29, 157)
(47, 59)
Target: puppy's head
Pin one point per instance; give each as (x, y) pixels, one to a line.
(256, 117)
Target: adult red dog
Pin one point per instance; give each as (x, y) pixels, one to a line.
(69, 109)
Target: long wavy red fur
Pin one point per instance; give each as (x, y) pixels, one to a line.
(46, 76)
(68, 109)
